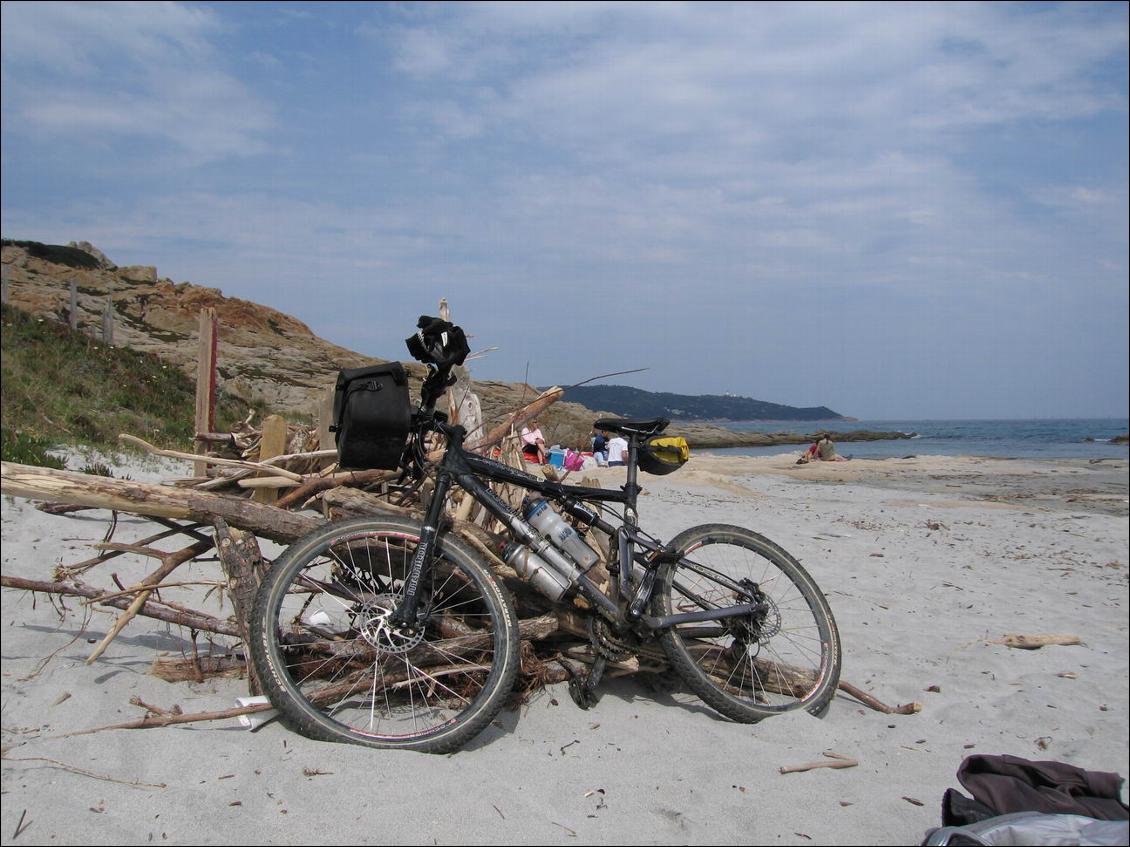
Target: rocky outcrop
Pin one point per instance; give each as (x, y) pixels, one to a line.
(264, 354)
(86, 247)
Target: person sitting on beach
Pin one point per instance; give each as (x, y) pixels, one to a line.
(822, 450)
(826, 450)
(600, 447)
(617, 452)
(533, 444)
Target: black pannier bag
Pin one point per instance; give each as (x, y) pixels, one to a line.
(371, 416)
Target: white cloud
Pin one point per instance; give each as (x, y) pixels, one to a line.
(112, 70)
(586, 74)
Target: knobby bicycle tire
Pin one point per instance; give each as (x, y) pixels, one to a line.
(786, 656)
(336, 671)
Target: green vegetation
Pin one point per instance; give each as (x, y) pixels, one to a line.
(72, 257)
(637, 403)
(28, 450)
(65, 387)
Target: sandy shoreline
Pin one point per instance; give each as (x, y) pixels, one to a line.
(924, 561)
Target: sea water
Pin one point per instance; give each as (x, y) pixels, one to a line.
(1066, 438)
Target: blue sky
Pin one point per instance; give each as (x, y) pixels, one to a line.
(894, 210)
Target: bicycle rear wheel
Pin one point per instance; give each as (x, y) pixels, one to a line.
(336, 671)
(784, 656)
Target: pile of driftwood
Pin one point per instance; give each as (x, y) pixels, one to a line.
(222, 517)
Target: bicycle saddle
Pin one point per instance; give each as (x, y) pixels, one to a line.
(624, 426)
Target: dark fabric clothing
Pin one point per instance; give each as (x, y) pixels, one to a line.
(959, 810)
(1004, 784)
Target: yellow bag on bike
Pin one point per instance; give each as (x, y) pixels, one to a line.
(662, 454)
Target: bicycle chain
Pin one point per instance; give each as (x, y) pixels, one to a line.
(606, 643)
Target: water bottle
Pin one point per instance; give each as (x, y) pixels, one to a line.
(559, 533)
(536, 570)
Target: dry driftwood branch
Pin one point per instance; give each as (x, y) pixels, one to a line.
(153, 721)
(133, 783)
(190, 669)
(192, 620)
(165, 501)
(313, 486)
(168, 564)
(212, 460)
(834, 760)
(132, 592)
(1035, 642)
(293, 457)
(157, 710)
(267, 482)
(872, 703)
(531, 410)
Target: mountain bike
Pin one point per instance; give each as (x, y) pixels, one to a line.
(392, 633)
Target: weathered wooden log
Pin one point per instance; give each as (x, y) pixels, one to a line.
(344, 503)
(243, 564)
(102, 492)
(188, 668)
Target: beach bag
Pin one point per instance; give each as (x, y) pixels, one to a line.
(372, 415)
(574, 461)
(662, 454)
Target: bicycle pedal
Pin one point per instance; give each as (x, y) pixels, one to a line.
(583, 695)
(583, 688)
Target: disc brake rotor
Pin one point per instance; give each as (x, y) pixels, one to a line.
(371, 619)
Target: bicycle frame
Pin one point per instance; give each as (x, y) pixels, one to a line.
(468, 469)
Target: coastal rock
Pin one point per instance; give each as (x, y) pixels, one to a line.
(702, 436)
(139, 273)
(86, 247)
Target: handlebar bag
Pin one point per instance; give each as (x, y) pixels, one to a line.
(372, 414)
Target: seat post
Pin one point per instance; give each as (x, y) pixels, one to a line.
(630, 487)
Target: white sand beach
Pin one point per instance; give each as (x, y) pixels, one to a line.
(925, 562)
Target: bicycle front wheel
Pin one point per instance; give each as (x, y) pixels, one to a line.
(783, 656)
(335, 668)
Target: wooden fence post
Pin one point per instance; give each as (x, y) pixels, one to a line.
(72, 312)
(4, 284)
(325, 418)
(108, 323)
(205, 385)
(272, 443)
